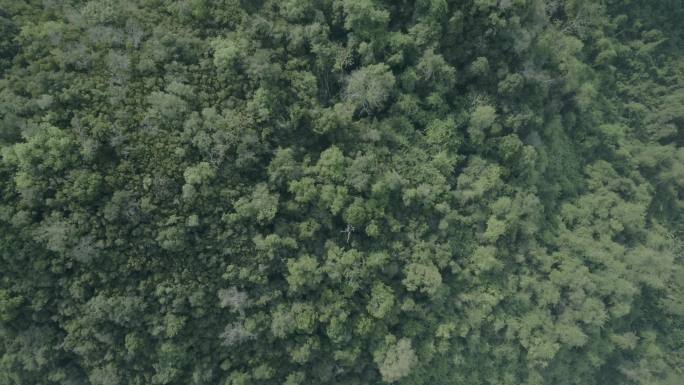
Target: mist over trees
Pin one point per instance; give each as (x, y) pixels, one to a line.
(344, 192)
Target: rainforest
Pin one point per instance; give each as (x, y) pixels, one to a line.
(344, 192)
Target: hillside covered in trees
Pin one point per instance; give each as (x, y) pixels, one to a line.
(346, 192)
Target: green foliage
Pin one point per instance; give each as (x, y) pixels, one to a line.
(481, 121)
(341, 192)
(381, 301)
(370, 87)
(423, 278)
(397, 359)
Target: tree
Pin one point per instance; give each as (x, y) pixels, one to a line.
(370, 87)
(397, 360)
(481, 121)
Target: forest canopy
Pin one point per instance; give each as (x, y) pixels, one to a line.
(348, 192)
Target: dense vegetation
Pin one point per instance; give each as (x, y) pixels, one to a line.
(342, 192)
